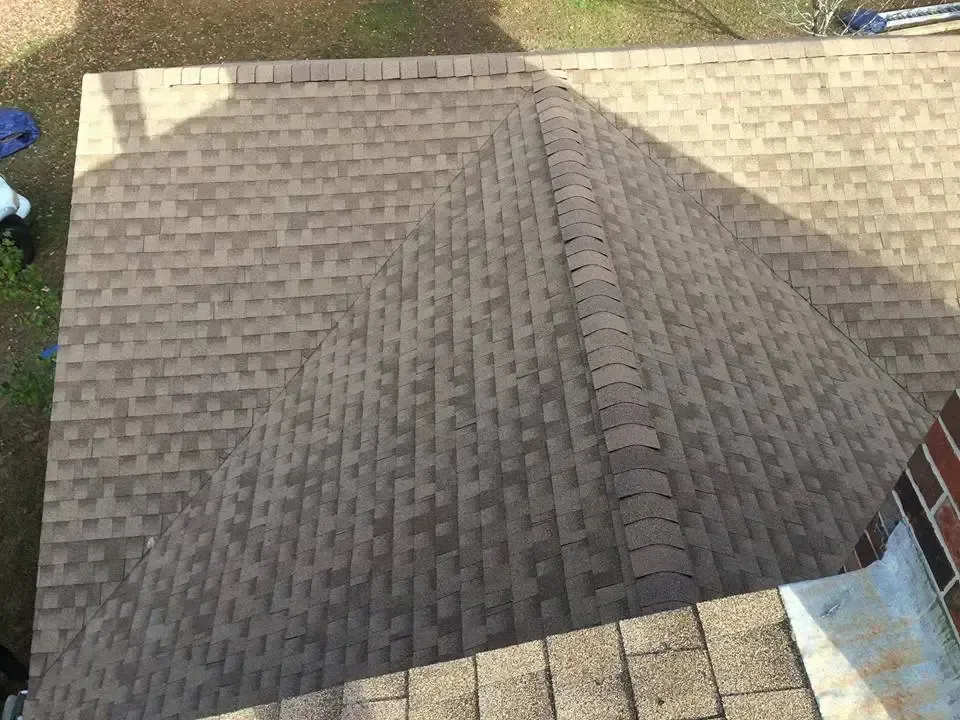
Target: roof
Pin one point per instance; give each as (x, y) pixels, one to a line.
(369, 364)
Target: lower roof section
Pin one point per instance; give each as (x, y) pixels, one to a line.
(731, 659)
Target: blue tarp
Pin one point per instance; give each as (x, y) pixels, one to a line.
(866, 21)
(17, 130)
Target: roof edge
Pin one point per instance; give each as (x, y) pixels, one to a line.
(659, 558)
(486, 64)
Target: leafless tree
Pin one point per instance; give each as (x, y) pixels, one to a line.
(811, 17)
(819, 17)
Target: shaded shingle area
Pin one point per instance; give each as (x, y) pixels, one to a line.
(780, 436)
(430, 483)
(217, 233)
(838, 165)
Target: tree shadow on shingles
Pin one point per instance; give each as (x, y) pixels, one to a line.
(824, 237)
(909, 426)
(917, 414)
(109, 35)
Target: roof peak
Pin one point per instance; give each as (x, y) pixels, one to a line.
(662, 570)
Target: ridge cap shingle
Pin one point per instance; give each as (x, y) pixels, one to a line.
(659, 557)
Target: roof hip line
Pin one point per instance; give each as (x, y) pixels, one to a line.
(662, 571)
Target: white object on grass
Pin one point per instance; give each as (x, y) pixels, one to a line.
(11, 202)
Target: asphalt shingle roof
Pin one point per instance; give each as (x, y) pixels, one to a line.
(292, 448)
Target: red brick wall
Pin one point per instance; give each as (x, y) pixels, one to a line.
(927, 497)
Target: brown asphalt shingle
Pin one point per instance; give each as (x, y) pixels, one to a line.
(568, 396)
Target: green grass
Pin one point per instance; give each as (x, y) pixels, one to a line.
(558, 24)
(378, 28)
(42, 70)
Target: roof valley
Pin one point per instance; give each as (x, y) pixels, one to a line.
(658, 557)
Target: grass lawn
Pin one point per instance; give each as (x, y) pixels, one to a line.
(53, 42)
